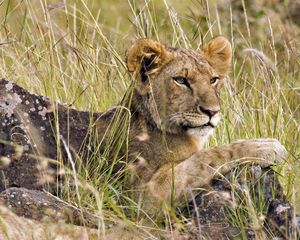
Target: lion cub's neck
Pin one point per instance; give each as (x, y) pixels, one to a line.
(155, 144)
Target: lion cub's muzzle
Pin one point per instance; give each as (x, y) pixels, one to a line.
(195, 120)
(215, 119)
(200, 125)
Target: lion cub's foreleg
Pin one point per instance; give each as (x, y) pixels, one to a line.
(203, 166)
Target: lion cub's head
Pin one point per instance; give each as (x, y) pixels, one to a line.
(177, 89)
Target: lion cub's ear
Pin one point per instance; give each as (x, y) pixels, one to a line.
(218, 53)
(145, 57)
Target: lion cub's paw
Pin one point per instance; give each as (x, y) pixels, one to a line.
(274, 149)
(268, 151)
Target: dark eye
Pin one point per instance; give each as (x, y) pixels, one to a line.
(182, 80)
(214, 80)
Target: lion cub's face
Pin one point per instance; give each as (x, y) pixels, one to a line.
(179, 87)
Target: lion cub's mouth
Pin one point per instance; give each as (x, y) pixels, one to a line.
(208, 125)
(186, 126)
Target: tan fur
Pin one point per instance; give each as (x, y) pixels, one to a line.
(218, 54)
(170, 122)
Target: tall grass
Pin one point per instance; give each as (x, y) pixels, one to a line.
(74, 52)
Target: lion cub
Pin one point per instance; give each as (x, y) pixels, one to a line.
(175, 108)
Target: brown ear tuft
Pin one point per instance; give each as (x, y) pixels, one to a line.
(218, 53)
(146, 52)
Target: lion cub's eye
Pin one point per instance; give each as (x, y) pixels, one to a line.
(182, 81)
(214, 80)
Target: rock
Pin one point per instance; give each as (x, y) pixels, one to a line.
(42, 206)
(213, 210)
(279, 217)
(29, 138)
(14, 227)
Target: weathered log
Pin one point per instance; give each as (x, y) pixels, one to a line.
(30, 137)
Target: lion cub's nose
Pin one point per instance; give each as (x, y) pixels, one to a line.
(207, 111)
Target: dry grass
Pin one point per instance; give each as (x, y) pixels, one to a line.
(74, 52)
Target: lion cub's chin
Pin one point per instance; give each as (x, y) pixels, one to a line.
(200, 135)
(201, 131)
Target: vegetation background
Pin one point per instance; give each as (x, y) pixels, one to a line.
(73, 51)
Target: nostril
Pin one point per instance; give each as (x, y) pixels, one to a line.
(209, 112)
